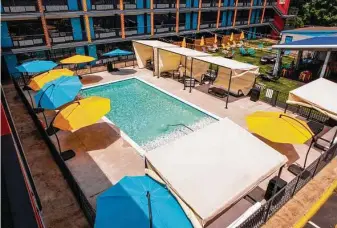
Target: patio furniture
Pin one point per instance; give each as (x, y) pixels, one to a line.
(270, 77)
(189, 83)
(176, 74)
(165, 74)
(231, 55)
(251, 52)
(217, 91)
(324, 142)
(149, 64)
(243, 51)
(266, 59)
(210, 76)
(278, 183)
(305, 76)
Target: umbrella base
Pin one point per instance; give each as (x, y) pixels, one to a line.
(51, 130)
(66, 155)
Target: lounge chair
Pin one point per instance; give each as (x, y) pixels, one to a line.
(325, 140)
(260, 46)
(251, 52)
(243, 51)
(231, 55)
(270, 77)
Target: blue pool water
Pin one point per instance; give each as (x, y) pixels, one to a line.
(147, 115)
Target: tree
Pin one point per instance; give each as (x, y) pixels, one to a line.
(318, 12)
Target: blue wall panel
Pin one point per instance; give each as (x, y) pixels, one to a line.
(88, 4)
(148, 23)
(148, 4)
(12, 62)
(92, 52)
(140, 24)
(72, 5)
(252, 17)
(195, 3)
(232, 3)
(188, 3)
(80, 51)
(195, 20)
(255, 2)
(225, 2)
(140, 4)
(92, 31)
(254, 34)
(187, 21)
(249, 36)
(77, 29)
(257, 16)
(224, 19)
(6, 40)
(229, 20)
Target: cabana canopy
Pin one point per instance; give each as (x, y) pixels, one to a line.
(320, 95)
(147, 50)
(210, 177)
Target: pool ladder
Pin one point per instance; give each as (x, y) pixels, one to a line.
(180, 124)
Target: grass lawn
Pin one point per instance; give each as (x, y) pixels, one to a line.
(282, 85)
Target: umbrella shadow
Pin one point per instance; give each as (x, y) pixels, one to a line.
(124, 72)
(286, 149)
(90, 79)
(97, 136)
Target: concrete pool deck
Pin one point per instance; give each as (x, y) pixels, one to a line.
(103, 157)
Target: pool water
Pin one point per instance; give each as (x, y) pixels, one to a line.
(148, 116)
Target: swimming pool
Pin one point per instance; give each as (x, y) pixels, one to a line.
(147, 115)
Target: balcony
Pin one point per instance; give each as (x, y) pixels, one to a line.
(207, 24)
(268, 19)
(164, 28)
(130, 4)
(107, 33)
(131, 31)
(271, 3)
(28, 41)
(19, 6)
(241, 21)
(293, 11)
(104, 5)
(207, 3)
(55, 6)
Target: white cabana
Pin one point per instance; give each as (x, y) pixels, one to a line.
(234, 77)
(214, 167)
(178, 58)
(320, 94)
(146, 50)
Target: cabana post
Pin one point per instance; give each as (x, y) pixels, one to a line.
(191, 78)
(229, 88)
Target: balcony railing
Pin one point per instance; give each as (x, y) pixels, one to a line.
(130, 5)
(107, 33)
(271, 3)
(164, 28)
(62, 37)
(293, 11)
(55, 6)
(103, 7)
(131, 31)
(164, 5)
(268, 19)
(20, 8)
(243, 21)
(207, 24)
(28, 40)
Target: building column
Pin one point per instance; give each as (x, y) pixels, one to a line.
(177, 15)
(235, 12)
(277, 62)
(199, 15)
(325, 65)
(6, 40)
(152, 18)
(44, 23)
(86, 20)
(218, 16)
(11, 62)
(264, 10)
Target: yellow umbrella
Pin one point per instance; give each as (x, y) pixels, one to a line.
(39, 81)
(242, 36)
(279, 127)
(183, 44)
(232, 37)
(202, 41)
(215, 39)
(82, 113)
(77, 59)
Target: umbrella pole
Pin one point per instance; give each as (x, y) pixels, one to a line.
(149, 205)
(306, 156)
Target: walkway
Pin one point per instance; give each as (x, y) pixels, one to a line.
(59, 206)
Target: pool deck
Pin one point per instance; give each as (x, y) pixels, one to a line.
(103, 156)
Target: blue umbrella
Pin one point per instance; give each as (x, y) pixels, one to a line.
(58, 92)
(36, 66)
(117, 52)
(139, 202)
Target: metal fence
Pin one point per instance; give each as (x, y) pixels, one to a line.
(83, 202)
(286, 193)
(277, 98)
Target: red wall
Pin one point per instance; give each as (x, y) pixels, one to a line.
(284, 7)
(5, 129)
(278, 21)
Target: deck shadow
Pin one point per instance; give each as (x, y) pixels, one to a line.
(89, 79)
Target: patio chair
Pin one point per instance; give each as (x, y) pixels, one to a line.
(231, 55)
(270, 77)
(260, 46)
(251, 52)
(325, 140)
(243, 51)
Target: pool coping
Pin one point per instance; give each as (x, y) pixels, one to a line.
(135, 145)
